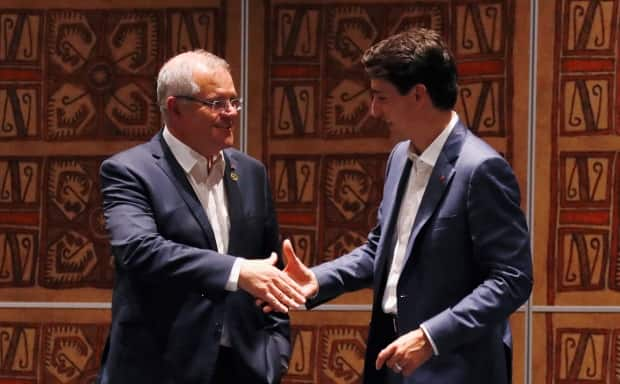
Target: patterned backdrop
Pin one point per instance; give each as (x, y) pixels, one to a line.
(582, 265)
(77, 84)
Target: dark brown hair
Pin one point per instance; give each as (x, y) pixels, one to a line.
(416, 56)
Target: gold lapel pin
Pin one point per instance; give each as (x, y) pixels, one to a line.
(234, 176)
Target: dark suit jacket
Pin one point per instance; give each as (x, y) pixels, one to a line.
(169, 301)
(468, 264)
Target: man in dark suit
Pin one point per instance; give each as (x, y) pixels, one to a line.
(449, 259)
(191, 222)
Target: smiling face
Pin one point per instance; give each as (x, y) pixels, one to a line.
(205, 130)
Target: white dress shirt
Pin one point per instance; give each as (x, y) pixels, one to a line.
(206, 177)
(421, 169)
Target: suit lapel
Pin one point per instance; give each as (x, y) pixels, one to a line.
(402, 167)
(438, 184)
(173, 170)
(235, 202)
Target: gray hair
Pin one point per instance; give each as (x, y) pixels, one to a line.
(176, 77)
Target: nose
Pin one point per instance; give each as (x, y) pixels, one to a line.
(230, 110)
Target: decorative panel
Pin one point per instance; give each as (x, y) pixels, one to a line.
(327, 347)
(20, 203)
(576, 348)
(76, 85)
(52, 346)
(583, 217)
(75, 238)
(352, 191)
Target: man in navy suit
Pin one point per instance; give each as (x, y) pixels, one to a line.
(191, 222)
(449, 259)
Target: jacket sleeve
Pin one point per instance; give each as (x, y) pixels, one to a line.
(138, 247)
(501, 248)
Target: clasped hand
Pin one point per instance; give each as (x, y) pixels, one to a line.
(263, 280)
(303, 278)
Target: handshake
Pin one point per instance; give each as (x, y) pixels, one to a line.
(279, 290)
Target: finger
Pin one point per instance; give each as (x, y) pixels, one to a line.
(275, 303)
(267, 309)
(409, 366)
(394, 360)
(291, 289)
(385, 354)
(285, 298)
(273, 258)
(289, 252)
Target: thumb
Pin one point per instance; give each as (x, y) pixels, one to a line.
(272, 259)
(289, 254)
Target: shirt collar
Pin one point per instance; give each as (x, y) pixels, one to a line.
(187, 157)
(431, 153)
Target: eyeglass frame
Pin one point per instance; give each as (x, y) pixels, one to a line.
(212, 104)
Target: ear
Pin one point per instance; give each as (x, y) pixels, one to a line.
(172, 106)
(420, 92)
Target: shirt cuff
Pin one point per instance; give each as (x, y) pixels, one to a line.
(233, 278)
(428, 336)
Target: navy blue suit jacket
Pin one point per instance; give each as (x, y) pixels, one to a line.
(468, 264)
(169, 301)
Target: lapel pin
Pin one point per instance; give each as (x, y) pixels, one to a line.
(234, 176)
(442, 179)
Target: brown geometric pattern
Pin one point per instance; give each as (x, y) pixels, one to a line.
(91, 71)
(21, 61)
(67, 76)
(20, 204)
(342, 354)
(582, 354)
(50, 353)
(581, 247)
(581, 349)
(327, 354)
(20, 354)
(583, 241)
(71, 352)
(480, 40)
(99, 74)
(352, 190)
(75, 238)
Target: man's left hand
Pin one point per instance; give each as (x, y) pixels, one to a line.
(405, 354)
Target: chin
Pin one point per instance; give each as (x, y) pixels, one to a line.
(398, 132)
(229, 142)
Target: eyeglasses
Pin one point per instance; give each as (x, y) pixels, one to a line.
(216, 105)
